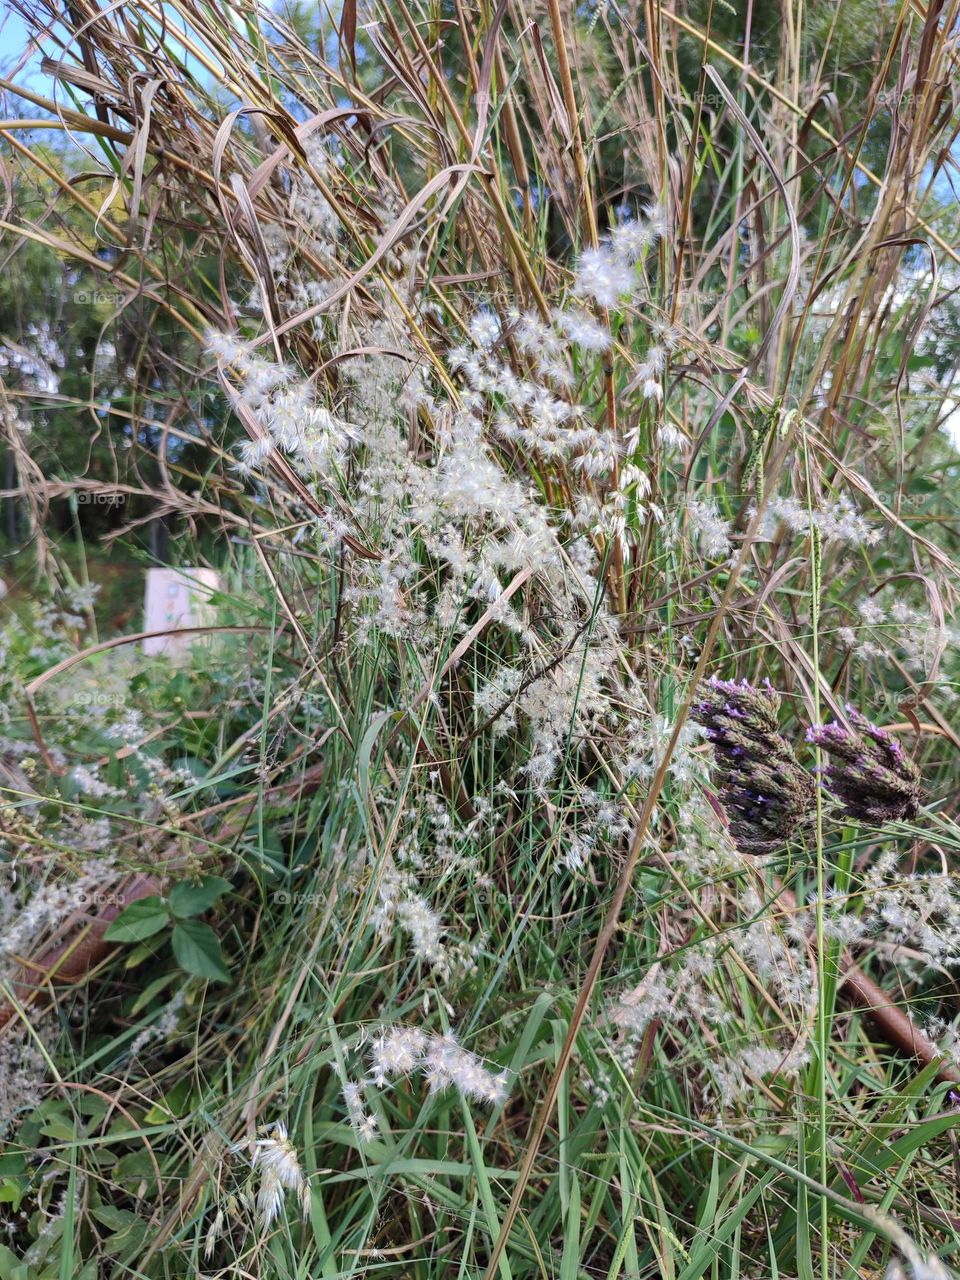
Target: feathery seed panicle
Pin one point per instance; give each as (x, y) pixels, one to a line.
(711, 530)
(364, 1122)
(285, 405)
(401, 1051)
(276, 1161)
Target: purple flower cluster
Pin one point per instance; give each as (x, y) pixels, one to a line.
(868, 772)
(767, 794)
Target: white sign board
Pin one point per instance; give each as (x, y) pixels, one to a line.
(177, 598)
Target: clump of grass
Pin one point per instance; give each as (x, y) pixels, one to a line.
(519, 371)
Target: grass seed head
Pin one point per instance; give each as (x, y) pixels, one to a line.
(868, 773)
(768, 796)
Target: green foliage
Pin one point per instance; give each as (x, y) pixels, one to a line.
(198, 950)
(141, 919)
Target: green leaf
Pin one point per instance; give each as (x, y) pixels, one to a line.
(11, 1268)
(117, 1220)
(58, 1128)
(140, 920)
(153, 989)
(173, 1103)
(197, 949)
(12, 1191)
(143, 951)
(191, 897)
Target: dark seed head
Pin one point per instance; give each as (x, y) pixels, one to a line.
(868, 773)
(767, 795)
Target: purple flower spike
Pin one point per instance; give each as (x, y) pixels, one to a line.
(868, 772)
(767, 795)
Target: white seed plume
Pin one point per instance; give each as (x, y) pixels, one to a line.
(276, 1160)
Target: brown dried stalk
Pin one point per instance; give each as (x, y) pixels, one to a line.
(74, 959)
